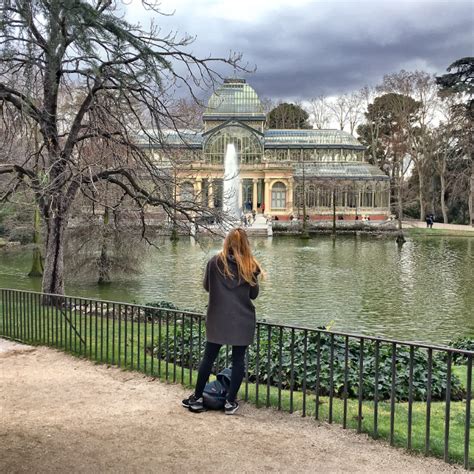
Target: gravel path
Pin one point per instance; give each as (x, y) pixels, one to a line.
(63, 414)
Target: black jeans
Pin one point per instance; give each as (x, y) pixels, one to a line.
(238, 368)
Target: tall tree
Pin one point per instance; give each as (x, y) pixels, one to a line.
(126, 73)
(393, 117)
(460, 81)
(287, 115)
(449, 142)
(421, 87)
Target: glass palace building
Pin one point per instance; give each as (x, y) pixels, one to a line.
(278, 168)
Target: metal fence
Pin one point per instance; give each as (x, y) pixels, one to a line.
(414, 395)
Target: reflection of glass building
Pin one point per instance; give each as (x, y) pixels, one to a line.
(278, 168)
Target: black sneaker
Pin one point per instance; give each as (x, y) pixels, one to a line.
(194, 404)
(186, 401)
(230, 407)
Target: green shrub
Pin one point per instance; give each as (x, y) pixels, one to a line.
(464, 344)
(292, 370)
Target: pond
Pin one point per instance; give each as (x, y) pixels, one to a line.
(421, 292)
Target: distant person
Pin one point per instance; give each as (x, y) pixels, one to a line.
(263, 208)
(231, 279)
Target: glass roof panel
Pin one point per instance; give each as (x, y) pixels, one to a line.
(171, 137)
(234, 97)
(309, 137)
(339, 170)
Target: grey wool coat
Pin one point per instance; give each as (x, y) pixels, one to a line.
(230, 312)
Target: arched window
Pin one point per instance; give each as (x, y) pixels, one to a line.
(298, 196)
(311, 194)
(352, 196)
(367, 196)
(279, 196)
(248, 146)
(325, 196)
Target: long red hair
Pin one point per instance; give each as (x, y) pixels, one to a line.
(237, 244)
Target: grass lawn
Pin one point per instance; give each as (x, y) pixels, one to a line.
(425, 232)
(116, 342)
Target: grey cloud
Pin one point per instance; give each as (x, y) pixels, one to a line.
(334, 47)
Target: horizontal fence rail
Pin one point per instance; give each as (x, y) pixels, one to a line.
(414, 395)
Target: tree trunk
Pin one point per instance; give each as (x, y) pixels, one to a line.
(397, 174)
(53, 277)
(400, 237)
(471, 194)
(400, 204)
(443, 191)
(37, 264)
(103, 261)
(421, 184)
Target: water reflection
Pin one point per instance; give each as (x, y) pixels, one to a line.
(422, 291)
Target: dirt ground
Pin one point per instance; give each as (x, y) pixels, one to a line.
(62, 414)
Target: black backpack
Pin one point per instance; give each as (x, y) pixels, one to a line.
(215, 392)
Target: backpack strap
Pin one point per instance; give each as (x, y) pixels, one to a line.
(224, 377)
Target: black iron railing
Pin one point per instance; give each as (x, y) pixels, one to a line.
(415, 395)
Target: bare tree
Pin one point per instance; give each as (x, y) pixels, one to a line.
(52, 47)
(355, 102)
(340, 110)
(268, 105)
(188, 113)
(347, 109)
(319, 112)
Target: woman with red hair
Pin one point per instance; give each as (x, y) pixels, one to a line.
(231, 279)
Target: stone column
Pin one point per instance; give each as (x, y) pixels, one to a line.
(289, 201)
(267, 199)
(210, 201)
(254, 194)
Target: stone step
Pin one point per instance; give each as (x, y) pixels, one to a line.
(257, 231)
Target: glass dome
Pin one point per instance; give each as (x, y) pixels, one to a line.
(234, 98)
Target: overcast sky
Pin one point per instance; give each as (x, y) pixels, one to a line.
(304, 48)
